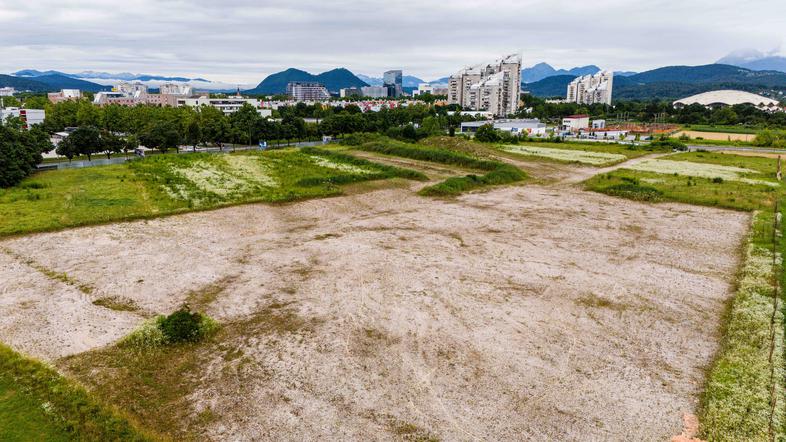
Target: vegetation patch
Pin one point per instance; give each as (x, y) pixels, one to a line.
(181, 326)
(155, 382)
(35, 397)
(117, 303)
(702, 170)
(568, 155)
(736, 404)
(165, 184)
(498, 172)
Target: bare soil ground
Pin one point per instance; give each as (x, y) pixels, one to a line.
(717, 136)
(520, 313)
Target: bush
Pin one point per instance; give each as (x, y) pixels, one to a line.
(181, 326)
(667, 144)
(635, 192)
(487, 134)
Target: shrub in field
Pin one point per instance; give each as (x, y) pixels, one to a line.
(181, 326)
(667, 144)
(634, 191)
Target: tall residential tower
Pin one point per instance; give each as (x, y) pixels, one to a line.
(492, 87)
(591, 89)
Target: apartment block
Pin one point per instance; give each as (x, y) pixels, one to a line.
(591, 89)
(492, 87)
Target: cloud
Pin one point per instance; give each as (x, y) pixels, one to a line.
(243, 40)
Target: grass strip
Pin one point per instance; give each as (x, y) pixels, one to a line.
(69, 411)
(385, 171)
(736, 404)
(498, 172)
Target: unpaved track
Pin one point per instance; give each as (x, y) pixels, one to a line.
(521, 313)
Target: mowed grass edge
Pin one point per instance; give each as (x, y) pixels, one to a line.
(55, 408)
(737, 400)
(497, 173)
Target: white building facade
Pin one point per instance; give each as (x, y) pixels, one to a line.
(591, 89)
(492, 87)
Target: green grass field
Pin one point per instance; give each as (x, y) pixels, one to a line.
(744, 191)
(166, 184)
(496, 172)
(37, 403)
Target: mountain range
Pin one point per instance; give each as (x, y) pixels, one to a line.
(333, 80)
(755, 60)
(674, 82)
(49, 81)
(125, 76)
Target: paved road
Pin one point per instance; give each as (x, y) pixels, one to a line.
(98, 160)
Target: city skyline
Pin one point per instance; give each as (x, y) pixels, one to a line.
(247, 41)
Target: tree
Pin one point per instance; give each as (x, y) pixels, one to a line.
(20, 152)
(111, 143)
(487, 134)
(162, 136)
(85, 140)
(193, 133)
(131, 143)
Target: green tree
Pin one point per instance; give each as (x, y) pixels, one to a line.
(193, 133)
(487, 134)
(162, 136)
(20, 152)
(85, 140)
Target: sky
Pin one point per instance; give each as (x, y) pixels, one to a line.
(239, 41)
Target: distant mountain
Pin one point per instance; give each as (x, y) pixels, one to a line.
(22, 83)
(624, 73)
(93, 75)
(333, 80)
(443, 80)
(59, 81)
(548, 87)
(49, 82)
(755, 60)
(545, 70)
(674, 82)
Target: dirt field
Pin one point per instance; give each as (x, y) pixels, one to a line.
(535, 312)
(717, 136)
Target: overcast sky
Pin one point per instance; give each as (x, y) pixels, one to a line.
(243, 41)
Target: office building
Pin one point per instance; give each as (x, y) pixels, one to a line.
(175, 89)
(64, 95)
(531, 127)
(393, 81)
(492, 87)
(29, 117)
(307, 91)
(228, 105)
(423, 88)
(374, 91)
(7, 91)
(575, 123)
(591, 89)
(350, 92)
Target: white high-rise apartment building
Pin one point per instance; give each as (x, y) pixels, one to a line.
(492, 87)
(591, 89)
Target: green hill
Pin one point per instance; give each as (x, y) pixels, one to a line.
(333, 81)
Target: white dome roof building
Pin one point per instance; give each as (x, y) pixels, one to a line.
(730, 98)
